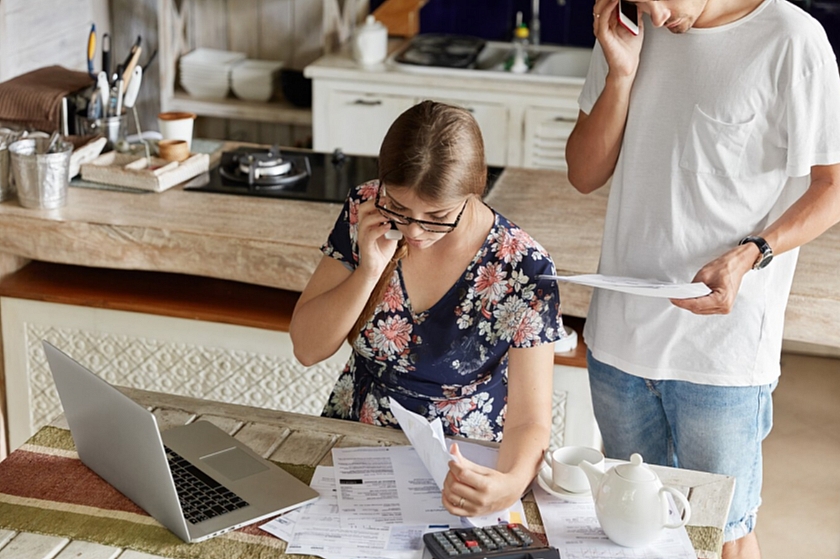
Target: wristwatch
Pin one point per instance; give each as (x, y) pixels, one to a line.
(766, 252)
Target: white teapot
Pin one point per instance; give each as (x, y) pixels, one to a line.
(630, 502)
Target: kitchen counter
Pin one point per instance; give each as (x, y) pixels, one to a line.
(340, 65)
(275, 242)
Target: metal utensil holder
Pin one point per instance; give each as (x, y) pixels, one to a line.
(41, 178)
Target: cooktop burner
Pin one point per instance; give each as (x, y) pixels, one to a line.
(287, 173)
(265, 170)
(292, 173)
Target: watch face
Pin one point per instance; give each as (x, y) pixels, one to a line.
(766, 253)
(763, 262)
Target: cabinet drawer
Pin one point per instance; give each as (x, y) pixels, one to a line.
(492, 119)
(358, 121)
(546, 133)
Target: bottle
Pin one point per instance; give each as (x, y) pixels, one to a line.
(518, 62)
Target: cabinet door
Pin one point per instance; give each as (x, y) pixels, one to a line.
(359, 121)
(573, 420)
(493, 121)
(546, 133)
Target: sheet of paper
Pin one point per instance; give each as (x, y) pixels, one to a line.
(636, 286)
(573, 528)
(315, 530)
(386, 485)
(428, 440)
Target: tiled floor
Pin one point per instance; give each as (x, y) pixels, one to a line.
(800, 515)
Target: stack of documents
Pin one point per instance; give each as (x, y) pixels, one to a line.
(379, 501)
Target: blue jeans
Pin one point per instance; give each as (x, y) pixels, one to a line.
(716, 429)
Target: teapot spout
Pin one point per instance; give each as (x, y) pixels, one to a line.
(593, 474)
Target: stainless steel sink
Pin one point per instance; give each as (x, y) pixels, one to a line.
(570, 63)
(548, 63)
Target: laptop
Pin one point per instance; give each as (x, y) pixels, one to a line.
(195, 479)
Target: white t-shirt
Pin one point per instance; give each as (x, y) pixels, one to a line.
(723, 127)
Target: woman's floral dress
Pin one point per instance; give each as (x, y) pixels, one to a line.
(449, 361)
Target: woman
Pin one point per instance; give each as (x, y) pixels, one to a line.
(450, 320)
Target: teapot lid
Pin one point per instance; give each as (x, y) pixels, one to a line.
(636, 470)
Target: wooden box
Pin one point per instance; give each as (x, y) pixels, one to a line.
(134, 171)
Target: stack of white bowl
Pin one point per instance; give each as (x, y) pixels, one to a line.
(255, 80)
(206, 72)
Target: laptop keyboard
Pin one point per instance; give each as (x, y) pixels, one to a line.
(201, 497)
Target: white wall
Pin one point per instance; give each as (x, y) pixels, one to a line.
(38, 33)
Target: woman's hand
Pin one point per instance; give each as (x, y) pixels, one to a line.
(473, 490)
(375, 251)
(621, 48)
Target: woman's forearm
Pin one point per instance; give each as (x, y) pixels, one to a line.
(320, 325)
(521, 452)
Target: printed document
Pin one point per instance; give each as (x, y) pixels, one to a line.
(427, 438)
(386, 485)
(573, 528)
(315, 530)
(636, 286)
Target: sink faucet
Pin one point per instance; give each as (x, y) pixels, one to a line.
(535, 22)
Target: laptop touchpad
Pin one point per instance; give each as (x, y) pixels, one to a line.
(234, 464)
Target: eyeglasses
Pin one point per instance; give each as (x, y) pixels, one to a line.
(429, 226)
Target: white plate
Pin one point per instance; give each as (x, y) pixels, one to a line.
(544, 481)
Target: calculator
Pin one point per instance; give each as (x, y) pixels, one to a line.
(504, 541)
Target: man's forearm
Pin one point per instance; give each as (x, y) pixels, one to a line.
(810, 216)
(593, 147)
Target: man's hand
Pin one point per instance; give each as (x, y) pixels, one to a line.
(723, 276)
(621, 48)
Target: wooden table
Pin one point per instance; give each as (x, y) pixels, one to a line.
(307, 440)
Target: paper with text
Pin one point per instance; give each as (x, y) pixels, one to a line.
(427, 438)
(315, 530)
(573, 528)
(636, 286)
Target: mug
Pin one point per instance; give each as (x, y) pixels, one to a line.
(565, 470)
(177, 126)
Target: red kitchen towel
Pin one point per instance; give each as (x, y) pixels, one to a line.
(33, 100)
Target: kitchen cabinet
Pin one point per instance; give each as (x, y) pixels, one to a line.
(357, 121)
(545, 135)
(524, 123)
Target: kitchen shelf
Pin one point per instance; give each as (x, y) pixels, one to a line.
(278, 111)
(281, 30)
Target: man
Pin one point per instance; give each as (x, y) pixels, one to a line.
(720, 126)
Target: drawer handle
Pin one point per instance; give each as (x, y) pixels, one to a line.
(564, 119)
(366, 102)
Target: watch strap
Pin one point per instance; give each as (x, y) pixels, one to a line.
(765, 252)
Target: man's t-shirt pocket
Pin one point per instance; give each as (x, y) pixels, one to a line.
(715, 147)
